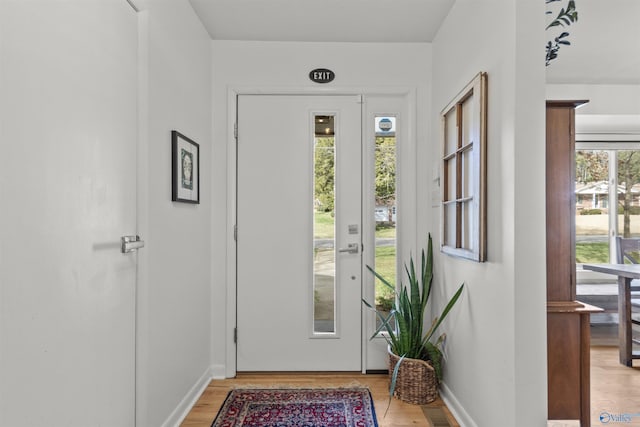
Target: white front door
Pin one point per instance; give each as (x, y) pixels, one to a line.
(299, 234)
(68, 183)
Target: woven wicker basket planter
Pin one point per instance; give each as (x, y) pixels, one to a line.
(416, 382)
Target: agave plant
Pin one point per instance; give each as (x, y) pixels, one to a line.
(405, 336)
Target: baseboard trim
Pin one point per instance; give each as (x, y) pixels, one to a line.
(459, 413)
(219, 372)
(186, 404)
(563, 423)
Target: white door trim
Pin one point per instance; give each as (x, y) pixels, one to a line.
(407, 242)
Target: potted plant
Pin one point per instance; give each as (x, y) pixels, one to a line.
(415, 358)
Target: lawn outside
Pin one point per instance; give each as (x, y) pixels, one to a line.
(385, 254)
(592, 237)
(599, 224)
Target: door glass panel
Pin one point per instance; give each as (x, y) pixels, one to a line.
(628, 173)
(628, 193)
(385, 211)
(324, 261)
(597, 209)
(592, 206)
(604, 210)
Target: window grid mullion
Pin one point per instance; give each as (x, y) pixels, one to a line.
(459, 159)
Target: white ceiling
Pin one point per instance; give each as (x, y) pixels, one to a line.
(323, 20)
(605, 42)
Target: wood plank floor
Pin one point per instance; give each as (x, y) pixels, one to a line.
(400, 414)
(615, 389)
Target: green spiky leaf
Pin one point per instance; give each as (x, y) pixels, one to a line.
(405, 336)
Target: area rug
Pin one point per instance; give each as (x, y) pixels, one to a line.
(308, 407)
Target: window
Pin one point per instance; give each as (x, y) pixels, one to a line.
(324, 262)
(607, 199)
(463, 173)
(385, 260)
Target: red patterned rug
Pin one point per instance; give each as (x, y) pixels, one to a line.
(315, 407)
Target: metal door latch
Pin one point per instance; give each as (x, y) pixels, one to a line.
(131, 243)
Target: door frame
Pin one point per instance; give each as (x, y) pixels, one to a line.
(407, 196)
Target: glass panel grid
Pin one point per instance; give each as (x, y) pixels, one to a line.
(385, 261)
(628, 167)
(451, 132)
(466, 177)
(592, 212)
(324, 258)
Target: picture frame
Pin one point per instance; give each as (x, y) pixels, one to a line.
(185, 169)
(463, 211)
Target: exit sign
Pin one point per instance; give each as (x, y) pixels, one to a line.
(322, 75)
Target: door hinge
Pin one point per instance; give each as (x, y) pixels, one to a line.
(235, 335)
(235, 130)
(235, 232)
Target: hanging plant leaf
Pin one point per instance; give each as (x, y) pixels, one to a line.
(564, 18)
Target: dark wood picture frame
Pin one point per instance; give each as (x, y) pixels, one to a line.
(185, 169)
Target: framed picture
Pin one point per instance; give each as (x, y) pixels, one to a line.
(463, 216)
(185, 166)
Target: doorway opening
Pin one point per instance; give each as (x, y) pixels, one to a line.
(343, 158)
(607, 191)
(299, 233)
(607, 206)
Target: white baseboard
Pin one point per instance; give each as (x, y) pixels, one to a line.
(218, 372)
(182, 410)
(563, 423)
(455, 407)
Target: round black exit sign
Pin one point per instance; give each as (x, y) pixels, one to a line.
(322, 75)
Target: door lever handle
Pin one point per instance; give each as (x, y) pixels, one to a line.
(352, 248)
(131, 243)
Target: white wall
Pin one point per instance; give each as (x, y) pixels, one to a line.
(602, 65)
(605, 44)
(604, 99)
(58, 93)
(285, 67)
(495, 371)
(612, 113)
(175, 267)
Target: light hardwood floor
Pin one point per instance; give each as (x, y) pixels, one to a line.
(400, 414)
(615, 389)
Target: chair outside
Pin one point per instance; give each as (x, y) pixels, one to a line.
(628, 252)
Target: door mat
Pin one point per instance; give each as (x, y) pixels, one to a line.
(315, 407)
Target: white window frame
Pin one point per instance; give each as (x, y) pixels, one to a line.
(612, 147)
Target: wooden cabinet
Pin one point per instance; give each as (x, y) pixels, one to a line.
(561, 200)
(568, 337)
(568, 353)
